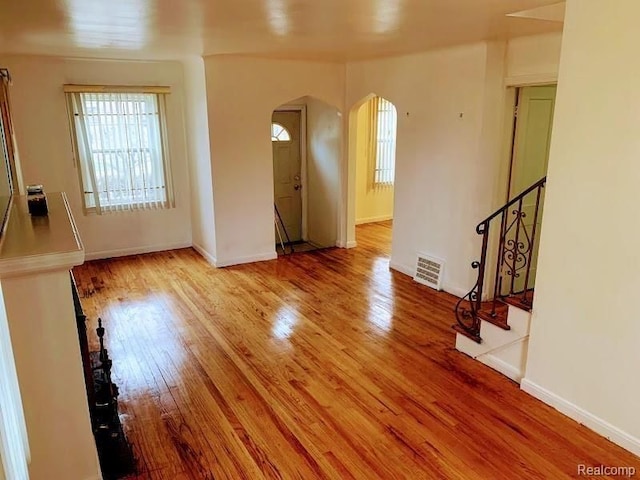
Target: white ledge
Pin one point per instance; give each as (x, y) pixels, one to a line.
(31, 245)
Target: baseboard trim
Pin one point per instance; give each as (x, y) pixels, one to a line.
(349, 244)
(94, 477)
(399, 267)
(453, 290)
(124, 252)
(580, 415)
(379, 218)
(206, 255)
(263, 257)
(501, 366)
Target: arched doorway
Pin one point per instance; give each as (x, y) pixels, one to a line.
(306, 135)
(372, 152)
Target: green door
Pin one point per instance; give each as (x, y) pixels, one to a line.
(532, 137)
(532, 140)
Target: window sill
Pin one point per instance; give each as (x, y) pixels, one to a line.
(125, 208)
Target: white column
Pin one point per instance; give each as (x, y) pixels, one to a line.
(583, 351)
(14, 445)
(36, 255)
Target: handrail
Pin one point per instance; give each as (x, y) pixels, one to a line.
(516, 252)
(510, 203)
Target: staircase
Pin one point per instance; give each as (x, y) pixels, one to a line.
(493, 319)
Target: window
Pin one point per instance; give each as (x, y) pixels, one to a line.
(279, 133)
(120, 144)
(383, 128)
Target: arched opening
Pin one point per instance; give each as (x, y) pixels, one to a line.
(373, 130)
(306, 138)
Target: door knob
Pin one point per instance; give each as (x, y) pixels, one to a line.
(297, 187)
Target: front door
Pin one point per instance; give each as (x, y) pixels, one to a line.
(532, 140)
(287, 177)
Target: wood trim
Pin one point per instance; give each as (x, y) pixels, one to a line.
(531, 80)
(290, 108)
(350, 244)
(72, 88)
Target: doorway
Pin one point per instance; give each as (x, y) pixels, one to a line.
(306, 137)
(531, 141)
(287, 175)
(375, 128)
(531, 137)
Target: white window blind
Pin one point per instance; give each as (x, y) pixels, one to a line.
(14, 446)
(120, 140)
(386, 119)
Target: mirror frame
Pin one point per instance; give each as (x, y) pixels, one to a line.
(7, 165)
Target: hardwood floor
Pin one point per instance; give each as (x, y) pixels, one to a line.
(316, 365)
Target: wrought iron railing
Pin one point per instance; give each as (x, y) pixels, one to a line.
(512, 233)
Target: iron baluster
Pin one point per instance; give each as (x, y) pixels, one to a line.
(510, 254)
(516, 246)
(481, 267)
(470, 313)
(533, 244)
(498, 280)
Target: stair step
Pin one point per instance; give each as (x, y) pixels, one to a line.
(497, 318)
(519, 302)
(462, 331)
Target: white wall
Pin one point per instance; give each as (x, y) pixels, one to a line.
(439, 196)
(372, 204)
(583, 351)
(44, 336)
(533, 59)
(324, 150)
(242, 93)
(42, 131)
(197, 123)
(450, 161)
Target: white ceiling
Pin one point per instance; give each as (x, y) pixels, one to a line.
(333, 30)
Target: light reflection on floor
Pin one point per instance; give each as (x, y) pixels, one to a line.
(142, 322)
(381, 303)
(286, 319)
